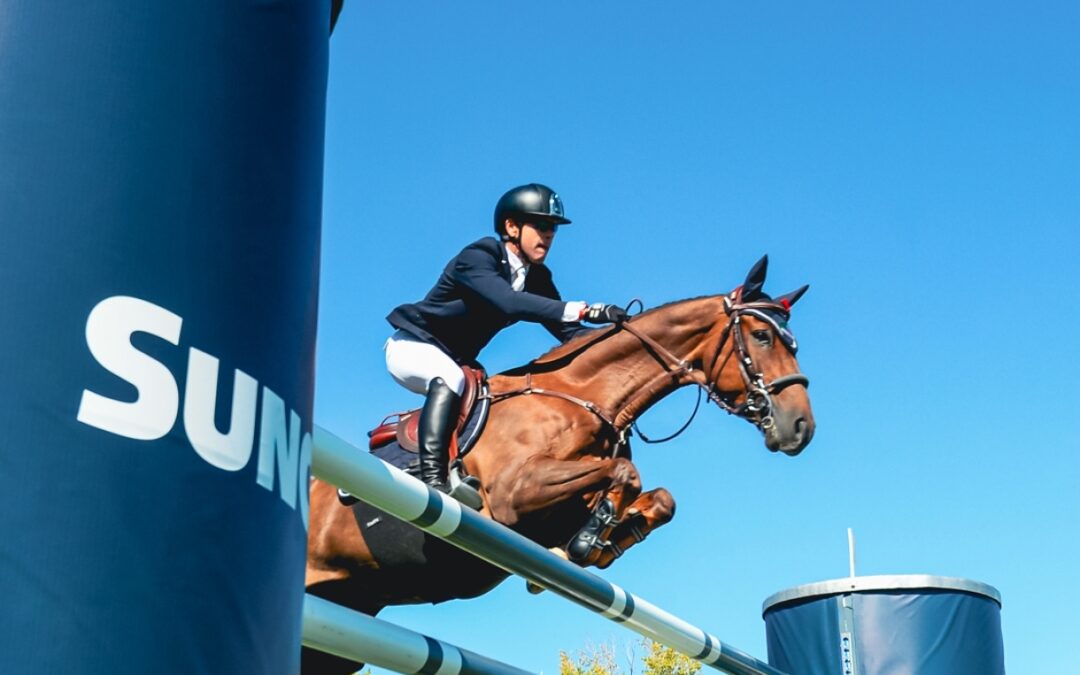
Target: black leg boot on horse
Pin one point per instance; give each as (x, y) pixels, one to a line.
(437, 421)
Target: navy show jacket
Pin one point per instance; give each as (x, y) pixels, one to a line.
(473, 300)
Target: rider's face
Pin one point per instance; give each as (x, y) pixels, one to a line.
(535, 239)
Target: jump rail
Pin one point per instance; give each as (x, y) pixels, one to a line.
(343, 632)
(385, 487)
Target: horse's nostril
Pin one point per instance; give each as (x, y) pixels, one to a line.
(800, 427)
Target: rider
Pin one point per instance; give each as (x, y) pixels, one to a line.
(491, 284)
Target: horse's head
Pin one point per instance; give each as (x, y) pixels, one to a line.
(755, 374)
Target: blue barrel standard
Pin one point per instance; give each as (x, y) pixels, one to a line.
(877, 625)
(160, 205)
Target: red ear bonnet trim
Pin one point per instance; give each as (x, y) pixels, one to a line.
(786, 303)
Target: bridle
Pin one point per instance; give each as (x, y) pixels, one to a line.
(757, 406)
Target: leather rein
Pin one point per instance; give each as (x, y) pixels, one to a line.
(757, 406)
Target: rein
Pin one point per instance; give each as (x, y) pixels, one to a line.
(529, 389)
(756, 407)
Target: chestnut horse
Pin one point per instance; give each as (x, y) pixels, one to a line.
(554, 462)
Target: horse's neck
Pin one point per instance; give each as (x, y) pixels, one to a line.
(622, 376)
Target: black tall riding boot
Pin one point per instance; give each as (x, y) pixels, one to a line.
(437, 422)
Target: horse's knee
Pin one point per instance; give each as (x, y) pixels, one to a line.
(663, 506)
(623, 472)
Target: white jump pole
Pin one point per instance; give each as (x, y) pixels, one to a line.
(392, 490)
(349, 634)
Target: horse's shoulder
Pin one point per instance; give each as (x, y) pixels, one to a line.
(505, 383)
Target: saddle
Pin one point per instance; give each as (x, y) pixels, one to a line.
(403, 427)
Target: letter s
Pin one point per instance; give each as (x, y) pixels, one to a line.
(108, 334)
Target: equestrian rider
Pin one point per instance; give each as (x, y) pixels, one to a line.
(490, 285)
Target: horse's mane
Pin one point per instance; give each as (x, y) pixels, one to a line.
(561, 354)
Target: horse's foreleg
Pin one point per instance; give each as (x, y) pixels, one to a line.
(544, 481)
(648, 512)
(613, 483)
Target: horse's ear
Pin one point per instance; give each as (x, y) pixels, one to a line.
(755, 279)
(789, 299)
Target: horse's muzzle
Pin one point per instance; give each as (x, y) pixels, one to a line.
(791, 430)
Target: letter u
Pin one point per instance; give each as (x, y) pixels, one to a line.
(229, 451)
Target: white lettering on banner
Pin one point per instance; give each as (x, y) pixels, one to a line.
(283, 451)
(108, 334)
(274, 435)
(229, 451)
(303, 482)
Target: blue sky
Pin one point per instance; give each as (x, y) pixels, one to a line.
(918, 165)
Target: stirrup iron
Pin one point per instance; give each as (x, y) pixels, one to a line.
(465, 489)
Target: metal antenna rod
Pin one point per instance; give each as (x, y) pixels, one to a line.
(851, 551)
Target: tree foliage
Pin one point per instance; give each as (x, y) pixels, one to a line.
(663, 660)
(592, 660)
(600, 660)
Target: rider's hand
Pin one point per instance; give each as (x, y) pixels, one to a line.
(601, 313)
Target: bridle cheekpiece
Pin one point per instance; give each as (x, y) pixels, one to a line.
(757, 405)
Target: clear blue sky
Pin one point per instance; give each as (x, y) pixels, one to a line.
(918, 165)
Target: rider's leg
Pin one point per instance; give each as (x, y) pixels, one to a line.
(437, 422)
(426, 369)
(414, 363)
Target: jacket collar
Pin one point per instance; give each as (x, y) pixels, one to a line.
(513, 262)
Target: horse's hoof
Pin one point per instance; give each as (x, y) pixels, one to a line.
(537, 589)
(534, 589)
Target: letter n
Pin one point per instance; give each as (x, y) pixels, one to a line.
(279, 446)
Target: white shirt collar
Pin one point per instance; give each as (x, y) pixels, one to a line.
(518, 270)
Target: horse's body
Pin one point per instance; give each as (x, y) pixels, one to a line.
(545, 460)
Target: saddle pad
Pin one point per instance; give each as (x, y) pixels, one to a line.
(406, 427)
(411, 559)
(403, 432)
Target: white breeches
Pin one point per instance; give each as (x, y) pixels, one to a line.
(414, 363)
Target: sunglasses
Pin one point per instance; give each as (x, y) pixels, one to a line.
(544, 226)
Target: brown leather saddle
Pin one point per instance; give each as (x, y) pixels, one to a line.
(403, 426)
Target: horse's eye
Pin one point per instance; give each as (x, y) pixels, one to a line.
(764, 337)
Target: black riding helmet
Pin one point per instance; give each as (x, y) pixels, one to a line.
(533, 199)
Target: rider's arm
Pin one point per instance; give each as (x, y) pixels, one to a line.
(569, 325)
(564, 331)
(477, 269)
